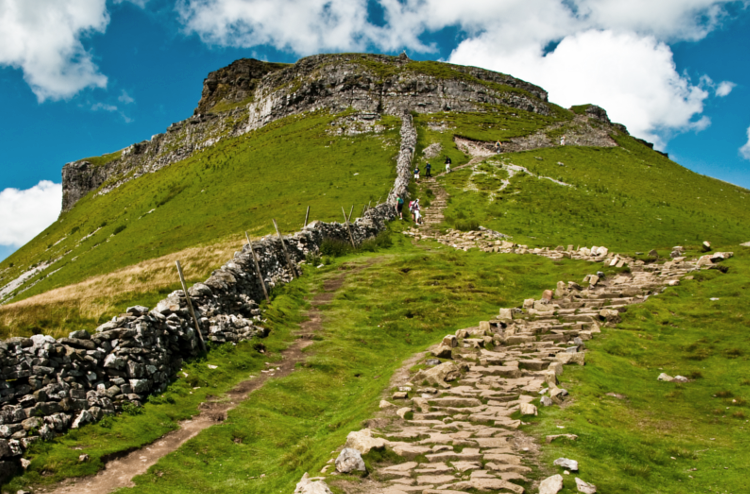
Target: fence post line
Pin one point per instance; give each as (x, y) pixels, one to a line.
(190, 306)
(349, 218)
(346, 222)
(257, 268)
(307, 216)
(292, 269)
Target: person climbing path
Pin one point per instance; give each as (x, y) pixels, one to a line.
(416, 174)
(448, 163)
(400, 207)
(428, 170)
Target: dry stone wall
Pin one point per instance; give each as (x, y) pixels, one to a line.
(50, 385)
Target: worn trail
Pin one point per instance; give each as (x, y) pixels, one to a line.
(120, 472)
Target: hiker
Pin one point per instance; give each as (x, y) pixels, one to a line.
(400, 207)
(562, 141)
(428, 170)
(416, 174)
(498, 146)
(414, 208)
(447, 164)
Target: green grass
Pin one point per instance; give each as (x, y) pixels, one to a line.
(399, 301)
(661, 434)
(628, 198)
(239, 184)
(103, 159)
(58, 459)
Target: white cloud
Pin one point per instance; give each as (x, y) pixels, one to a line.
(632, 77)
(724, 88)
(26, 213)
(610, 52)
(305, 27)
(745, 150)
(43, 38)
(125, 98)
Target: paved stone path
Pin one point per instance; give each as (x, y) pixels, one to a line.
(455, 421)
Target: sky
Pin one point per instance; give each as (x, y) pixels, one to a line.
(81, 78)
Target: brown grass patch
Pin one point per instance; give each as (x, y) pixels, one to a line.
(52, 312)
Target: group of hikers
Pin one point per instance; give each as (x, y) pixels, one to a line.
(414, 209)
(428, 169)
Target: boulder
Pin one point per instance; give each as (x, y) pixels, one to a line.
(528, 409)
(653, 253)
(611, 316)
(137, 310)
(308, 486)
(350, 460)
(551, 485)
(506, 314)
(566, 463)
(363, 441)
(585, 487)
(664, 377)
(440, 374)
(706, 246)
(85, 417)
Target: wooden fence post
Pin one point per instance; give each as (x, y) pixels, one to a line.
(307, 216)
(292, 269)
(257, 268)
(349, 218)
(346, 222)
(190, 306)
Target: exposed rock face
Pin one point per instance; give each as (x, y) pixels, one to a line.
(249, 94)
(233, 83)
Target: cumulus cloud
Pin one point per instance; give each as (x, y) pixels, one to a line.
(608, 52)
(303, 26)
(26, 213)
(745, 150)
(633, 77)
(43, 38)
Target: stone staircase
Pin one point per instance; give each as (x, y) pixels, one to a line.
(455, 422)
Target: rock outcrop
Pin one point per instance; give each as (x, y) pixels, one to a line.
(249, 94)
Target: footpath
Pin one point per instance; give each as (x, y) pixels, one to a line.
(454, 423)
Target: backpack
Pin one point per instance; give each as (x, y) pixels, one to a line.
(401, 200)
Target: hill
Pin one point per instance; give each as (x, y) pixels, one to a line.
(268, 140)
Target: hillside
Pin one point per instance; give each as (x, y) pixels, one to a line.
(349, 337)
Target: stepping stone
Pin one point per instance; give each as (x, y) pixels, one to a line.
(435, 479)
(468, 454)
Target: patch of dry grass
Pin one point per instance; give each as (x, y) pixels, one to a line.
(98, 298)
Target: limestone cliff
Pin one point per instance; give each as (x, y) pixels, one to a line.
(249, 93)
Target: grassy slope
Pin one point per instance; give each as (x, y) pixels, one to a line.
(408, 299)
(239, 184)
(662, 434)
(629, 198)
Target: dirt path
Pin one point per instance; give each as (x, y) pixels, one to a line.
(118, 473)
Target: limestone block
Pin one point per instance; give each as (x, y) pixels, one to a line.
(585, 487)
(350, 460)
(363, 441)
(551, 485)
(307, 486)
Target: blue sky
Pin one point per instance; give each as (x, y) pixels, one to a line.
(81, 78)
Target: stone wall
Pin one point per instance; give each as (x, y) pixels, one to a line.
(52, 385)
